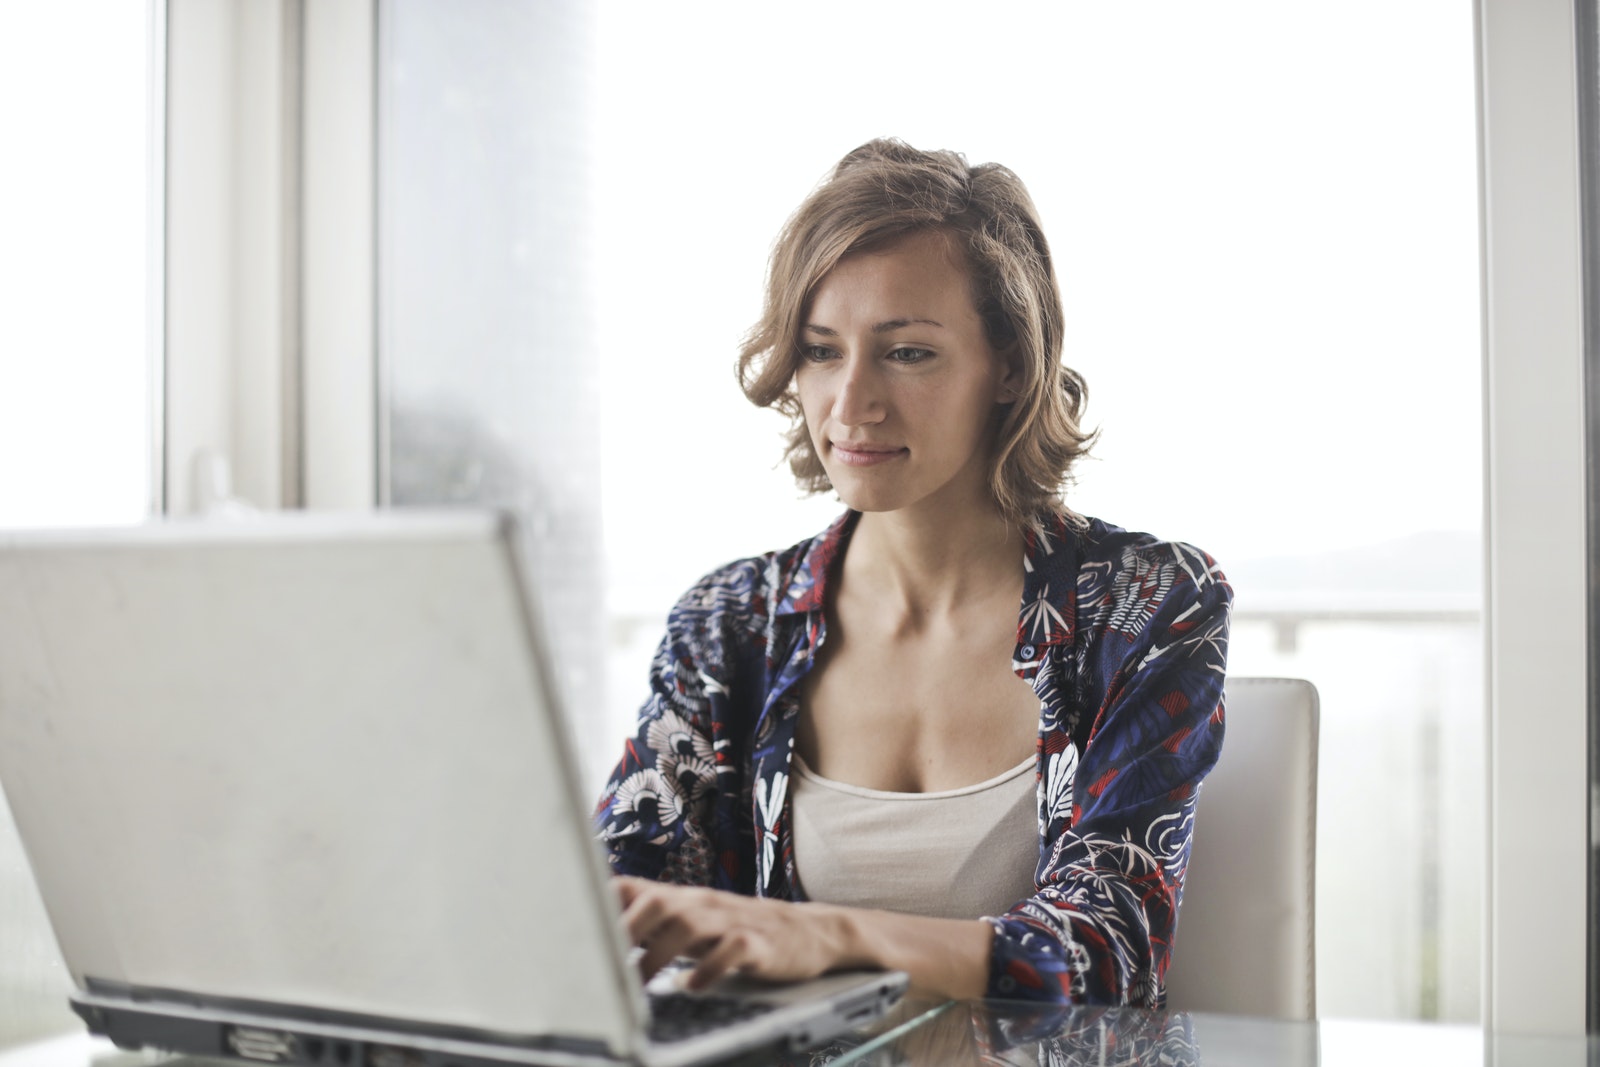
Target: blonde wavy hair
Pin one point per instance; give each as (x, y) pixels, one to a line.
(876, 195)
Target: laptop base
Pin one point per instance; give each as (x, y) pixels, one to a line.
(134, 1018)
(195, 1029)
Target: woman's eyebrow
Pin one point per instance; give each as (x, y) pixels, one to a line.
(886, 326)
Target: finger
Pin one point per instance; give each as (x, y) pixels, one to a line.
(654, 957)
(655, 905)
(643, 915)
(735, 952)
(670, 925)
(648, 901)
(677, 938)
(627, 888)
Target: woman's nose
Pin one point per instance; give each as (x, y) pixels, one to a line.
(859, 401)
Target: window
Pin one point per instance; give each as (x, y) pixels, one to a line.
(488, 348)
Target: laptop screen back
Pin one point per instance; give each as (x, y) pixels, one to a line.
(305, 760)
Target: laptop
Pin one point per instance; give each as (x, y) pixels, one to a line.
(297, 789)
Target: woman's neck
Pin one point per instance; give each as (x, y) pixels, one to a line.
(934, 568)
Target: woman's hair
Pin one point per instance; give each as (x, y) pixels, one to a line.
(882, 192)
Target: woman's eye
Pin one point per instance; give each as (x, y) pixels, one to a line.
(816, 353)
(910, 355)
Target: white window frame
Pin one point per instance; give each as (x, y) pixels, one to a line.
(269, 278)
(1535, 531)
(343, 407)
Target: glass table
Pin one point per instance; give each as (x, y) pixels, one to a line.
(923, 1033)
(1001, 1034)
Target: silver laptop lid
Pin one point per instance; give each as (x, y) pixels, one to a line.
(307, 760)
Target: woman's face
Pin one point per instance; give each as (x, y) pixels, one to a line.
(897, 381)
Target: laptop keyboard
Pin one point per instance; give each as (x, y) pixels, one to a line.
(676, 1016)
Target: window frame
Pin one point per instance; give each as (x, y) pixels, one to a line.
(1535, 523)
(269, 276)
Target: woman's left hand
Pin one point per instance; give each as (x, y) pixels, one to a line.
(726, 932)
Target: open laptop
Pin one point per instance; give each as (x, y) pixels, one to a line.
(296, 789)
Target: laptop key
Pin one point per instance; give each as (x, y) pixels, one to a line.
(676, 1016)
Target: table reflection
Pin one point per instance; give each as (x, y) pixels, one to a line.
(923, 1033)
(1001, 1034)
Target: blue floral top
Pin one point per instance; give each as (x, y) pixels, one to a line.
(1123, 637)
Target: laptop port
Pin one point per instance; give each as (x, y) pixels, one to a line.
(267, 1046)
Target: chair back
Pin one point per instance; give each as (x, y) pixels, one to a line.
(1246, 929)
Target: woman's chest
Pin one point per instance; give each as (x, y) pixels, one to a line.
(915, 714)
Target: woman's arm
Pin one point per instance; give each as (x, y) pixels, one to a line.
(671, 811)
(782, 941)
(1102, 925)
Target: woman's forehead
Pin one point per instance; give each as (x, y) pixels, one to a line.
(911, 277)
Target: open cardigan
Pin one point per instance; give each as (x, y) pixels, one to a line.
(1122, 636)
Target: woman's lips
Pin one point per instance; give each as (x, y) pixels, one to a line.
(865, 455)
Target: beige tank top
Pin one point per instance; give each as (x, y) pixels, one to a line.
(955, 854)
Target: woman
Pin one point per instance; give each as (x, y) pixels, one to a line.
(832, 768)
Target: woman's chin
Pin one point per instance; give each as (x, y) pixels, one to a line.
(867, 498)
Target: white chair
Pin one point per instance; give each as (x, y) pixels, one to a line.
(1246, 939)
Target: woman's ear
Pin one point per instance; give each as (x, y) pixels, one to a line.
(1008, 386)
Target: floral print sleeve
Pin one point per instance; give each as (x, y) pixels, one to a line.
(702, 780)
(670, 811)
(1132, 721)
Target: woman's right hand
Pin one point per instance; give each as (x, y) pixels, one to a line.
(726, 933)
(781, 941)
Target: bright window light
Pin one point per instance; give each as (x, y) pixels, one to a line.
(75, 381)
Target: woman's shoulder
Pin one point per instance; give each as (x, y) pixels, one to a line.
(783, 581)
(1106, 542)
(1113, 567)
